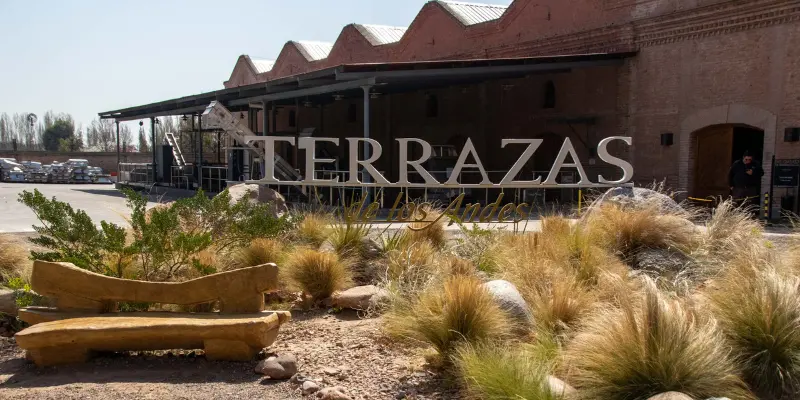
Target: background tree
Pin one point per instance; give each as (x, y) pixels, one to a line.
(60, 129)
(72, 143)
(142, 140)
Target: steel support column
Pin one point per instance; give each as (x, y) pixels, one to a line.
(153, 146)
(118, 157)
(365, 176)
(200, 139)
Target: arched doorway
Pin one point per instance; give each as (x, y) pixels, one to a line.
(716, 148)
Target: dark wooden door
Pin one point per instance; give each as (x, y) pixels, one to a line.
(712, 161)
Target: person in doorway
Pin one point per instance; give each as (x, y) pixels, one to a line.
(744, 178)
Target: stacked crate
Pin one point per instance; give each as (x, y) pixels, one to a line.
(59, 173)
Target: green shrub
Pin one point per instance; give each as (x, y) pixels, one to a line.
(495, 372)
(23, 295)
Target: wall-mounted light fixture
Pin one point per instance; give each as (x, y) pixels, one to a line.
(667, 139)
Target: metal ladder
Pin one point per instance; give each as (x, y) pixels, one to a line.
(217, 116)
(176, 150)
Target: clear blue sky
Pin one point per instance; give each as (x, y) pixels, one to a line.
(88, 56)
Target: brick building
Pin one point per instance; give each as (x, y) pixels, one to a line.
(713, 77)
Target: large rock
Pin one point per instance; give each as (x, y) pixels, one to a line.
(509, 299)
(8, 302)
(259, 194)
(281, 367)
(360, 297)
(660, 261)
(670, 396)
(559, 388)
(636, 197)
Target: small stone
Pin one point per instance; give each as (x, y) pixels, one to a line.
(310, 387)
(281, 367)
(298, 379)
(400, 395)
(360, 297)
(331, 371)
(670, 396)
(559, 387)
(333, 393)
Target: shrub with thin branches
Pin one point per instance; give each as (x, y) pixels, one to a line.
(461, 310)
(411, 269)
(494, 372)
(760, 313)
(317, 273)
(652, 346)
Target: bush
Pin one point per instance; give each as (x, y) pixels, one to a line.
(260, 251)
(460, 311)
(313, 228)
(411, 268)
(492, 372)
(559, 306)
(13, 258)
(760, 313)
(652, 346)
(317, 273)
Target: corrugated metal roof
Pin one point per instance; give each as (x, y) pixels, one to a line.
(377, 35)
(473, 13)
(313, 51)
(262, 66)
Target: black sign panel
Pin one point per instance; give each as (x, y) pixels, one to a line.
(786, 175)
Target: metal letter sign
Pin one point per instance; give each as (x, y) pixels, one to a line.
(567, 152)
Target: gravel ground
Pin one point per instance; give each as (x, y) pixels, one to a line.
(335, 350)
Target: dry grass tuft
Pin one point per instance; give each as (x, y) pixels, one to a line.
(14, 260)
(760, 312)
(430, 229)
(314, 228)
(461, 310)
(731, 234)
(626, 231)
(459, 266)
(411, 268)
(652, 346)
(494, 372)
(559, 306)
(259, 252)
(317, 273)
(347, 239)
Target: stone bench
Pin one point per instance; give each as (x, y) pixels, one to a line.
(78, 325)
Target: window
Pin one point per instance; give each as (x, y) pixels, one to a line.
(292, 118)
(549, 95)
(352, 113)
(431, 106)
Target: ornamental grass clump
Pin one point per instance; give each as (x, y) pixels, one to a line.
(626, 231)
(760, 312)
(431, 228)
(651, 345)
(458, 311)
(259, 252)
(347, 238)
(497, 372)
(317, 273)
(314, 228)
(13, 259)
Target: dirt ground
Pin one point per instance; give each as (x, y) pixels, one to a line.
(333, 349)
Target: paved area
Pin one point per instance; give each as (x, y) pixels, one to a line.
(100, 201)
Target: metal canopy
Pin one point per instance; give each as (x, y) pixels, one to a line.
(385, 77)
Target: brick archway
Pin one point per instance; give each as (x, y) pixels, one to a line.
(729, 114)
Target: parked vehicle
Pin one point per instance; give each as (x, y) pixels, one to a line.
(11, 171)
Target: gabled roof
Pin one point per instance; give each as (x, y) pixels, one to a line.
(313, 51)
(473, 13)
(262, 66)
(378, 35)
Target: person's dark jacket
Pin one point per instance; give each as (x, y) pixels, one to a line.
(738, 177)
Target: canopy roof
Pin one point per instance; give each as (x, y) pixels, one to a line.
(384, 78)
